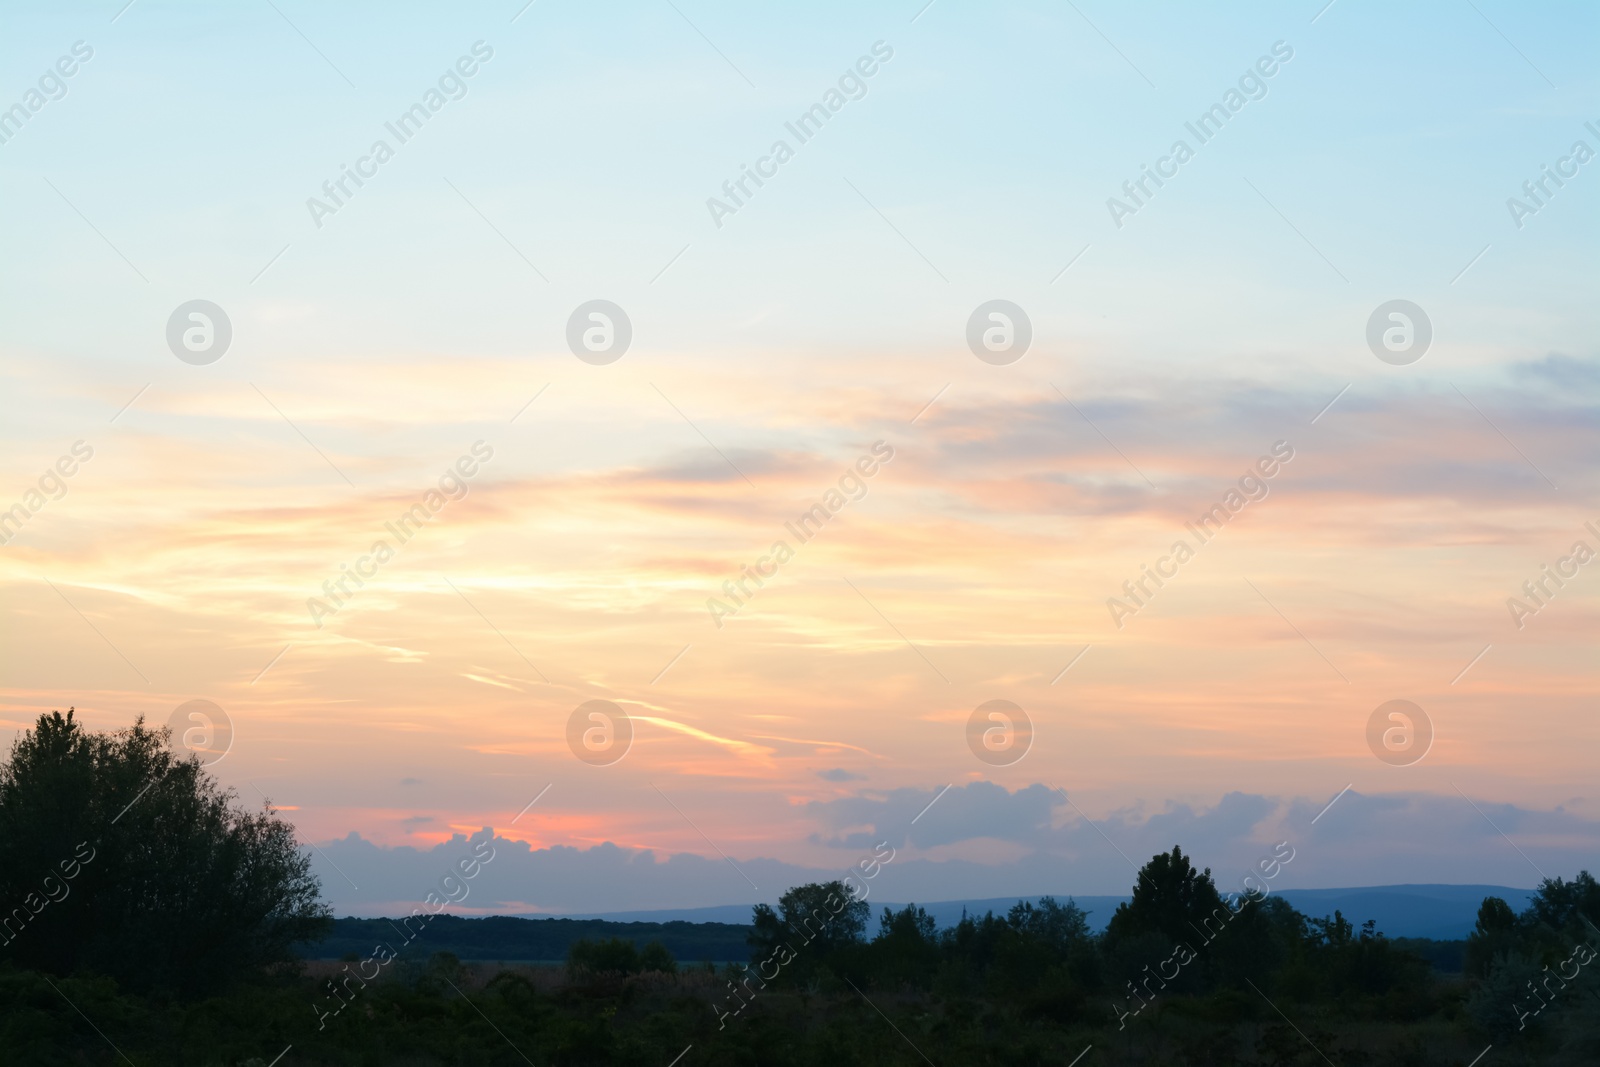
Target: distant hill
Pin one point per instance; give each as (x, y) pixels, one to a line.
(1440, 912)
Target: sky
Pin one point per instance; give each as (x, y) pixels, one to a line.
(1353, 324)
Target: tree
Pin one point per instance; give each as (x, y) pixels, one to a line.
(906, 948)
(1571, 908)
(1494, 916)
(1349, 962)
(1335, 932)
(812, 923)
(656, 957)
(613, 955)
(125, 860)
(1059, 927)
(1495, 934)
(911, 924)
(1171, 898)
(1259, 941)
(1500, 1001)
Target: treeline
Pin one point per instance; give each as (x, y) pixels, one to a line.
(1180, 944)
(151, 917)
(507, 938)
(1542, 959)
(1182, 975)
(1177, 936)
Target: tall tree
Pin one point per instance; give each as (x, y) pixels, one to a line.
(1495, 934)
(812, 923)
(1171, 898)
(1568, 907)
(123, 859)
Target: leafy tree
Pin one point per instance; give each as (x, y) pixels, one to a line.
(1170, 898)
(1494, 934)
(123, 859)
(824, 916)
(910, 923)
(1570, 908)
(1501, 1001)
(813, 923)
(970, 948)
(1367, 962)
(1335, 932)
(655, 957)
(1058, 927)
(1494, 916)
(1051, 942)
(1262, 938)
(907, 946)
(614, 955)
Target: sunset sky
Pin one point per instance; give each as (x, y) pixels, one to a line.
(772, 348)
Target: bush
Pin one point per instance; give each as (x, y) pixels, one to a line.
(1494, 1003)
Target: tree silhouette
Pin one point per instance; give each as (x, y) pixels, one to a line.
(813, 923)
(125, 860)
(1170, 898)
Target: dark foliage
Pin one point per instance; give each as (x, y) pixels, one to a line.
(615, 956)
(1171, 899)
(512, 939)
(813, 925)
(159, 883)
(123, 860)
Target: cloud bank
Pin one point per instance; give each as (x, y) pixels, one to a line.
(1044, 845)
